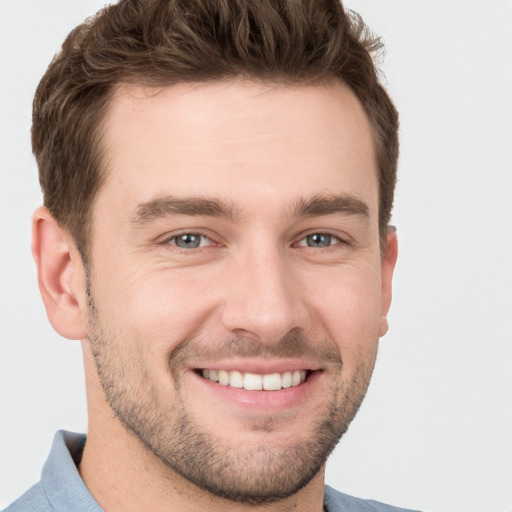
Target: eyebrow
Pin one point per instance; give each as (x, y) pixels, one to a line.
(318, 205)
(331, 204)
(166, 206)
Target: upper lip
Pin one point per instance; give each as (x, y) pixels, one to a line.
(258, 366)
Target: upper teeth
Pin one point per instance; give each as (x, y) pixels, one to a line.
(255, 382)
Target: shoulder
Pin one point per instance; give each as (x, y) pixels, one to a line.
(60, 489)
(33, 500)
(336, 501)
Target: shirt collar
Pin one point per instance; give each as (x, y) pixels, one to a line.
(60, 479)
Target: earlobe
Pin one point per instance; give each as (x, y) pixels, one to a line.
(388, 266)
(58, 265)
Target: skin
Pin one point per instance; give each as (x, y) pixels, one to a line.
(279, 164)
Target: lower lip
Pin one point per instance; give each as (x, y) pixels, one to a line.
(265, 401)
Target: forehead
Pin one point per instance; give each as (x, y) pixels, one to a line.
(237, 140)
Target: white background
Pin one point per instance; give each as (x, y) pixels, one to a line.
(435, 431)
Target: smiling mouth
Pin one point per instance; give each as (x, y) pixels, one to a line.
(254, 381)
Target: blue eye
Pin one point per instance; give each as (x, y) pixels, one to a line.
(189, 241)
(319, 240)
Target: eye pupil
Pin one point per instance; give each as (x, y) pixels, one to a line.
(319, 240)
(188, 240)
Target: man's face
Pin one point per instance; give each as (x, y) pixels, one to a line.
(235, 247)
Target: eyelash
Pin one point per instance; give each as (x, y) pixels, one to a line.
(173, 240)
(337, 240)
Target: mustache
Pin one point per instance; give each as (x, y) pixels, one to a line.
(294, 345)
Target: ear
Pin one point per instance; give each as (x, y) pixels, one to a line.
(387, 268)
(60, 275)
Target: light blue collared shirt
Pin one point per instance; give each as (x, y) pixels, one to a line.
(61, 488)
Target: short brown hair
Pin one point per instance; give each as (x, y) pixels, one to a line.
(163, 42)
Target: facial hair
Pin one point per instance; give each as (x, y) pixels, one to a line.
(247, 474)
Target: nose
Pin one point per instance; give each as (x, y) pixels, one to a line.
(263, 297)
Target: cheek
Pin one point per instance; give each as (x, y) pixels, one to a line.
(158, 310)
(347, 304)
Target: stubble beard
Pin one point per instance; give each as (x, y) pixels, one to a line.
(254, 475)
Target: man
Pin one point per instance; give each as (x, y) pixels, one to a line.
(218, 181)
